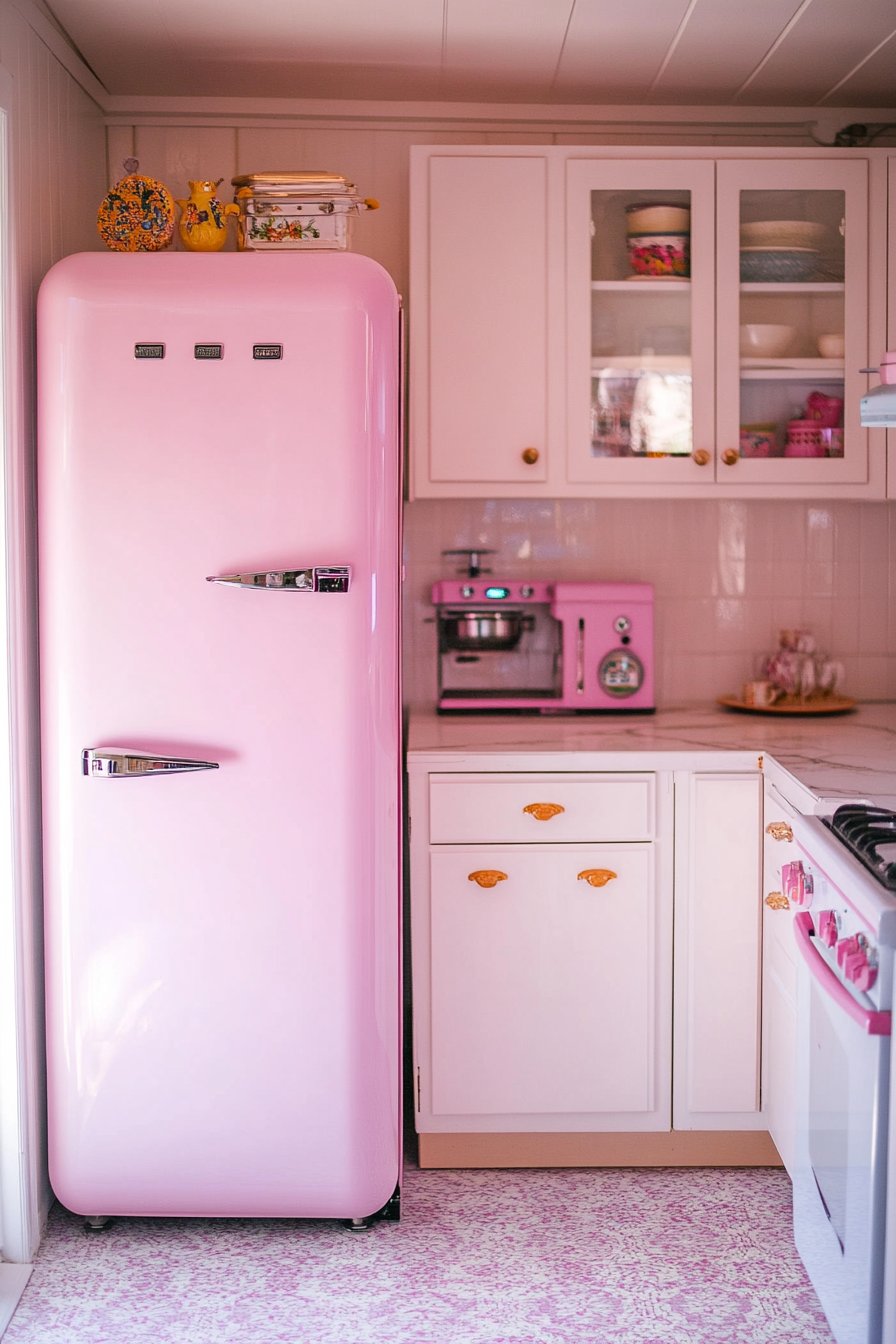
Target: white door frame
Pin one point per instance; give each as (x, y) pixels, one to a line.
(21, 1106)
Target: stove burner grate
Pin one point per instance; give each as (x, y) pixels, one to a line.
(869, 832)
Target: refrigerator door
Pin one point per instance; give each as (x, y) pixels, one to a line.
(222, 943)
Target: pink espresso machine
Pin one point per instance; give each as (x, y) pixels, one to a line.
(549, 648)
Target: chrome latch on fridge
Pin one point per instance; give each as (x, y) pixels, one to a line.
(318, 579)
(112, 763)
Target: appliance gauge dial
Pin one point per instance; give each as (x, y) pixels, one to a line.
(526, 590)
(622, 625)
(620, 674)
(468, 590)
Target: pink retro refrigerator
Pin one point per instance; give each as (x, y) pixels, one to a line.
(219, 503)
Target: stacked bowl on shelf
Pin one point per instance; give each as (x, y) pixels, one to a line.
(658, 239)
(779, 251)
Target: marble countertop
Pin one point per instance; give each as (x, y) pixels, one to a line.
(811, 759)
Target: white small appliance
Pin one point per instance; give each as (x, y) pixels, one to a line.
(878, 406)
(844, 888)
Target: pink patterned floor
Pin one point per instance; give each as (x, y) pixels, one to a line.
(480, 1257)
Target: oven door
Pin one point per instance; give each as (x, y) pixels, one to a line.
(839, 1185)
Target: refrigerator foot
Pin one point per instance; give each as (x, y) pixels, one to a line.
(97, 1223)
(360, 1224)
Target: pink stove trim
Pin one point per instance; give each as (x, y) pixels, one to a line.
(869, 1019)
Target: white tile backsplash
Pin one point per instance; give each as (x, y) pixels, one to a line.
(727, 575)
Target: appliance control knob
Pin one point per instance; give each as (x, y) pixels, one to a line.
(826, 928)
(468, 590)
(858, 968)
(622, 624)
(526, 590)
(846, 947)
(797, 883)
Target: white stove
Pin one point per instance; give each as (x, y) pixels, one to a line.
(844, 889)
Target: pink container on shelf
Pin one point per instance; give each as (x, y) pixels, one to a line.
(804, 439)
(824, 410)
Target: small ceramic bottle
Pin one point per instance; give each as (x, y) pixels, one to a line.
(203, 219)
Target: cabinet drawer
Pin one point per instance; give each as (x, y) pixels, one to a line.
(540, 809)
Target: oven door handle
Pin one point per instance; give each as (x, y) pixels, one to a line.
(869, 1019)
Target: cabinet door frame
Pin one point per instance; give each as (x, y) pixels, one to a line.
(734, 176)
(522, 478)
(718, 953)
(587, 174)
(420, 942)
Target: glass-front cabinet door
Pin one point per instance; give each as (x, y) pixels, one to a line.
(641, 295)
(792, 318)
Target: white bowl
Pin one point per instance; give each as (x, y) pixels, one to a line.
(760, 340)
(832, 346)
(782, 233)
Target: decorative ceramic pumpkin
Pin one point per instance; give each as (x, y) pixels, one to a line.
(203, 219)
(137, 215)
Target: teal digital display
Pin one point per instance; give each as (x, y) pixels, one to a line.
(497, 593)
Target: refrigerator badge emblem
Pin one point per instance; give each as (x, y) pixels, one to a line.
(267, 352)
(148, 350)
(208, 352)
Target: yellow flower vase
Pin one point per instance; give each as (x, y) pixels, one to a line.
(203, 219)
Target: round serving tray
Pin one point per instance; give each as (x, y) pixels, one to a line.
(832, 704)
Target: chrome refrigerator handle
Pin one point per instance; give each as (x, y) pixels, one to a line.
(112, 763)
(317, 579)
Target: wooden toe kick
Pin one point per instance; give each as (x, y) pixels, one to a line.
(673, 1148)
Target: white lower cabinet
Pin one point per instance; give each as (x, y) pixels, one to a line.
(718, 930)
(542, 909)
(543, 986)
(779, 978)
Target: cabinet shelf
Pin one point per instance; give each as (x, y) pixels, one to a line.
(663, 363)
(802, 370)
(802, 287)
(634, 286)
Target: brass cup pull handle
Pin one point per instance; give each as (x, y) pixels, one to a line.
(543, 811)
(701, 457)
(730, 456)
(776, 900)
(779, 830)
(530, 456)
(597, 877)
(487, 877)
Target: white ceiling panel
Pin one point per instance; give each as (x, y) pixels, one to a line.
(127, 42)
(722, 44)
(601, 61)
(504, 44)
(862, 88)
(774, 52)
(827, 42)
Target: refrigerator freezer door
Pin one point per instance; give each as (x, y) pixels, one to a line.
(222, 949)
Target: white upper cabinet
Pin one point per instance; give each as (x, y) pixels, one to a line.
(481, 327)
(640, 349)
(645, 322)
(792, 241)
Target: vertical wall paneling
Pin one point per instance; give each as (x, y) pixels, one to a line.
(57, 164)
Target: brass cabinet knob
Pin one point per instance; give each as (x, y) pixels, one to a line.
(487, 877)
(701, 457)
(543, 811)
(596, 877)
(779, 830)
(776, 900)
(530, 456)
(730, 456)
